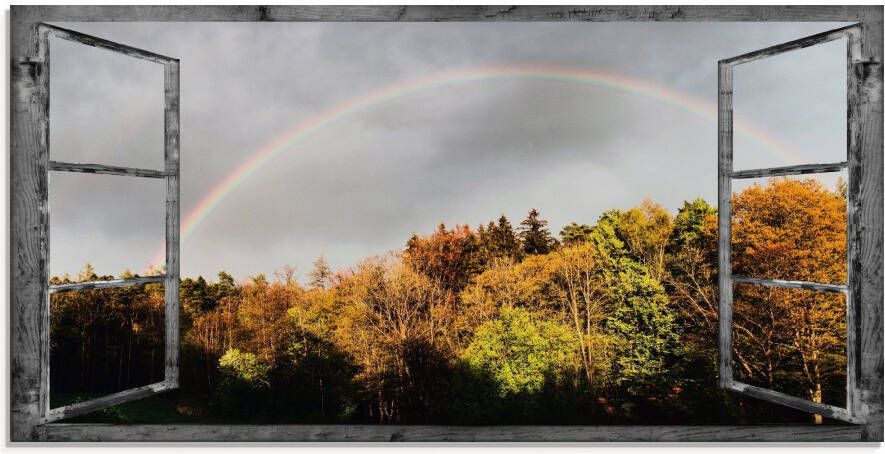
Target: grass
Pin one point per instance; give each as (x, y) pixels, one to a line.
(150, 410)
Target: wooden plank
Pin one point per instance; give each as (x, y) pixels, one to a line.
(472, 13)
(106, 170)
(867, 267)
(800, 43)
(94, 41)
(803, 285)
(110, 400)
(171, 153)
(726, 143)
(392, 433)
(798, 403)
(801, 169)
(115, 283)
(853, 295)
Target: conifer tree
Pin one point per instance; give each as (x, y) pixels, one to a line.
(536, 237)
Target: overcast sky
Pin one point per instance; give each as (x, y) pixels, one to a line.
(463, 153)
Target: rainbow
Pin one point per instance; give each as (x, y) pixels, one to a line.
(258, 158)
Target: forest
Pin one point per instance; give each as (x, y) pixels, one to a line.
(612, 322)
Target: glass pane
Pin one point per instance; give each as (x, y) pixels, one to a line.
(792, 341)
(104, 341)
(113, 223)
(106, 108)
(791, 228)
(791, 108)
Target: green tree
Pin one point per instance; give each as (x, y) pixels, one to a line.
(534, 234)
(521, 353)
(574, 234)
(641, 318)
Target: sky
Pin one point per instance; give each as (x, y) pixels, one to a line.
(462, 152)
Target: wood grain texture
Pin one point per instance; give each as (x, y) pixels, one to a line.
(420, 13)
(382, 433)
(853, 295)
(99, 403)
(94, 41)
(171, 158)
(798, 403)
(808, 41)
(869, 220)
(725, 156)
(115, 283)
(105, 169)
(802, 285)
(801, 169)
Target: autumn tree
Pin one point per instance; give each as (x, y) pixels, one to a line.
(450, 257)
(321, 275)
(794, 230)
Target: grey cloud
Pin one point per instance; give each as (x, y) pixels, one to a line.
(362, 184)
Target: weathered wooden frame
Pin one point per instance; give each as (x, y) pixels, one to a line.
(41, 61)
(29, 164)
(854, 411)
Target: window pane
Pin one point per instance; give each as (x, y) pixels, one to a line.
(114, 223)
(792, 341)
(107, 108)
(791, 228)
(104, 341)
(791, 108)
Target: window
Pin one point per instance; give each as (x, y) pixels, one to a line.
(169, 278)
(742, 285)
(861, 292)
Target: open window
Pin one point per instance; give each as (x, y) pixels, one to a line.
(166, 153)
(755, 287)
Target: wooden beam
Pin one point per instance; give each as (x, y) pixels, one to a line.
(866, 187)
(803, 285)
(800, 43)
(110, 400)
(790, 170)
(173, 212)
(106, 170)
(798, 403)
(726, 144)
(115, 283)
(94, 41)
(470, 13)
(392, 433)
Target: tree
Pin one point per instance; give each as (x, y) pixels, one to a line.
(646, 231)
(692, 270)
(499, 241)
(321, 275)
(534, 234)
(792, 340)
(450, 257)
(393, 321)
(574, 234)
(521, 351)
(640, 319)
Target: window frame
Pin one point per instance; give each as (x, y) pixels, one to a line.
(28, 164)
(854, 411)
(170, 174)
